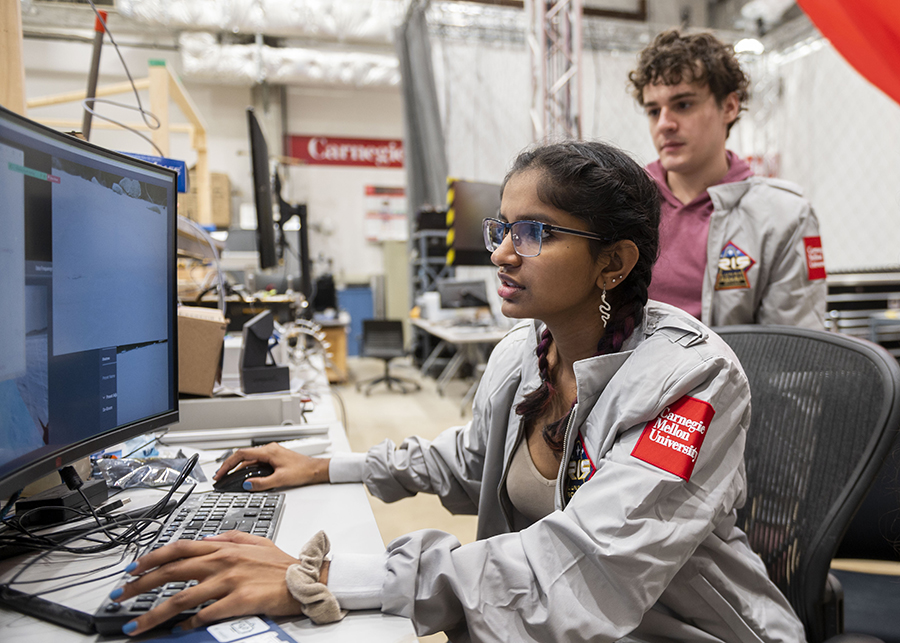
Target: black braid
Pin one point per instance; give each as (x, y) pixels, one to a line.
(605, 187)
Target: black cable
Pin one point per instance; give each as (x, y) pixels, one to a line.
(140, 108)
(130, 538)
(94, 514)
(132, 533)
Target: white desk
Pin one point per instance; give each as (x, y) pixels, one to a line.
(472, 345)
(343, 511)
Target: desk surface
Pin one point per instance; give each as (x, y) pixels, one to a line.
(460, 333)
(343, 511)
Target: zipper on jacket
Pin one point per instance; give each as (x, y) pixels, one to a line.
(564, 463)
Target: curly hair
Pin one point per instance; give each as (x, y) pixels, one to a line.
(674, 58)
(607, 189)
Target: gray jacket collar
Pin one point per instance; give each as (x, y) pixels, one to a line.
(594, 373)
(726, 196)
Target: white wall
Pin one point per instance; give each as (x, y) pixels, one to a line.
(335, 195)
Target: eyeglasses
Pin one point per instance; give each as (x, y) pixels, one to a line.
(526, 235)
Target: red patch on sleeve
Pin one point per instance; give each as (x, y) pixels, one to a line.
(672, 440)
(815, 258)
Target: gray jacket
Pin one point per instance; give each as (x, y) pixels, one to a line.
(774, 227)
(637, 552)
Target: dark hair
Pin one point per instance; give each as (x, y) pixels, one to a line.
(615, 196)
(673, 58)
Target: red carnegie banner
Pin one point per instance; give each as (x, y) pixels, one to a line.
(358, 152)
(867, 35)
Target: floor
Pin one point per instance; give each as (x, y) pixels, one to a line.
(386, 414)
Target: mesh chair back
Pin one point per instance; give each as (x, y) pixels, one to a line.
(823, 413)
(383, 338)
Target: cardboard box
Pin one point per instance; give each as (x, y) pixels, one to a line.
(220, 189)
(220, 185)
(201, 334)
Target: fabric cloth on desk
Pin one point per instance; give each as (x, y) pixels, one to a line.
(316, 601)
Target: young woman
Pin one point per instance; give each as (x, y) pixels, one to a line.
(604, 458)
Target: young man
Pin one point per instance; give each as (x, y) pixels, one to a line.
(734, 248)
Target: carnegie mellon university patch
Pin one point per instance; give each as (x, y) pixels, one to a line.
(672, 440)
(733, 266)
(815, 258)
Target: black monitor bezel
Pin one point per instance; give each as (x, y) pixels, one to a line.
(47, 463)
(266, 243)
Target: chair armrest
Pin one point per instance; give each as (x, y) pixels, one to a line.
(833, 607)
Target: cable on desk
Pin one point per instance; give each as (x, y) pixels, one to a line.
(132, 540)
(133, 533)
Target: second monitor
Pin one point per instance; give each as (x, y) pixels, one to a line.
(462, 294)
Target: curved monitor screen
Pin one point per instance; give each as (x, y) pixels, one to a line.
(88, 354)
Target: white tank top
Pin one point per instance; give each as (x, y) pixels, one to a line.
(529, 491)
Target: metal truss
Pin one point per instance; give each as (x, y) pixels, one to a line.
(554, 44)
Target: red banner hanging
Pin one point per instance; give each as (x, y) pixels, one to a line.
(867, 35)
(358, 152)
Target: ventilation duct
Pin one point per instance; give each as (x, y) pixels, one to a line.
(363, 21)
(204, 59)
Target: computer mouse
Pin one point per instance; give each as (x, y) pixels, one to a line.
(234, 481)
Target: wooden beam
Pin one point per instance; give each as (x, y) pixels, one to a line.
(179, 95)
(163, 86)
(78, 96)
(12, 78)
(69, 123)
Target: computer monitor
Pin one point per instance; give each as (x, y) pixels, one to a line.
(462, 294)
(271, 239)
(88, 354)
(266, 242)
(469, 203)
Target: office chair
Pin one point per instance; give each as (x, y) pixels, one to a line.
(383, 338)
(869, 555)
(825, 409)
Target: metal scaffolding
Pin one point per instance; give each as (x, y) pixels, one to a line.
(554, 44)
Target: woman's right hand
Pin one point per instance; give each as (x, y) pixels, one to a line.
(291, 469)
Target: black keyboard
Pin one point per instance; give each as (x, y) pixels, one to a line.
(206, 515)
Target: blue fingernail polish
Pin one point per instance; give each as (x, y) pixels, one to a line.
(129, 627)
(131, 567)
(116, 593)
(247, 485)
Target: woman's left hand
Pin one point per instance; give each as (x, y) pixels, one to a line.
(244, 574)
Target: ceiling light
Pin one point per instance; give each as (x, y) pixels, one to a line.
(749, 46)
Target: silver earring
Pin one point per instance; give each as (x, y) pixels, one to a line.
(604, 308)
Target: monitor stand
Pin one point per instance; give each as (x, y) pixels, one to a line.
(53, 504)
